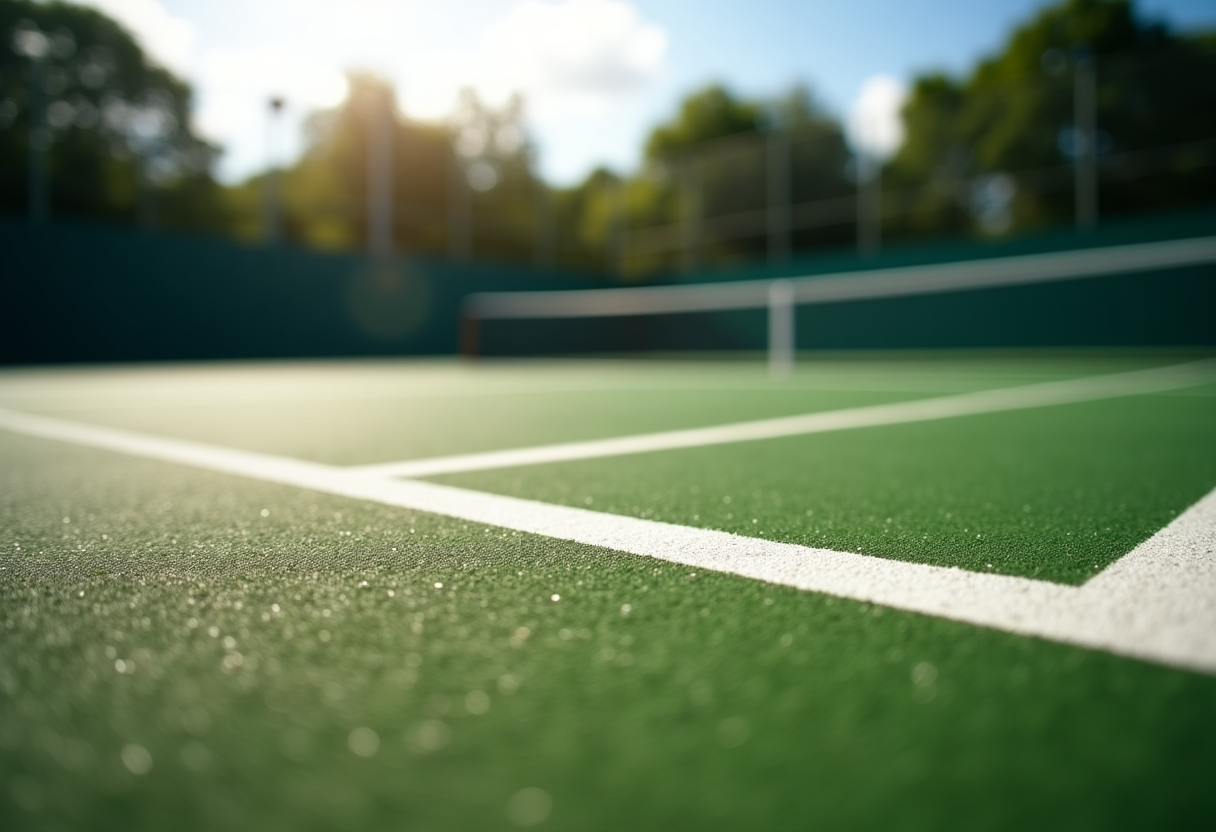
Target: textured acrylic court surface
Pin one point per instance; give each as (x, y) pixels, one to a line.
(188, 649)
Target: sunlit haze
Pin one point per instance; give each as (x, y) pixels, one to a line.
(596, 75)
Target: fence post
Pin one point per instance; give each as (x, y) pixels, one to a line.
(380, 177)
(272, 217)
(869, 204)
(615, 248)
(31, 43)
(545, 242)
(460, 220)
(1086, 164)
(781, 328)
(778, 196)
(145, 189)
(690, 228)
(40, 140)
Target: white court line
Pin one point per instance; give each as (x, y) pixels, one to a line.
(1157, 603)
(1067, 391)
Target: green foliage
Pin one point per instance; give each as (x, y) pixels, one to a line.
(986, 152)
(712, 162)
(326, 192)
(119, 136)
(710, 113)
(1011, 117)
(478, 165)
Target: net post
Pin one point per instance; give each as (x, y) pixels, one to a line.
(469, 332)
(780, 328)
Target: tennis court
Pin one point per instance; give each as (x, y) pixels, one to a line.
(963, 590)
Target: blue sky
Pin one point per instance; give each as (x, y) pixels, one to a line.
(596, 74)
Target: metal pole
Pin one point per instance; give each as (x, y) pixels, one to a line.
(780, 327)
(146, 213)
(544, 253)
(869, 205)
(691, 226)
(615, 249)
(380, 177)
(470, 336)
(460, 219)
(1086, 164)
(779, 187)
(272, 222)
(39, 144)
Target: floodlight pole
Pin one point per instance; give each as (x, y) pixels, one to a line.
(1085, 169)
(781, 328)
(272, 221)
(778, 197)
(380, 177)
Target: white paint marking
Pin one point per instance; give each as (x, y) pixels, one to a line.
(966, 404)
(1157, 603)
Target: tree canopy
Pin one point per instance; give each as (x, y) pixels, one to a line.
(1011, 121)
(113, 119)
(989, 151)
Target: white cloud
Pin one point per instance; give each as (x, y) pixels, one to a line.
(874, 123)
(430, 94)
(271, 70)
(167, 38)
(581, 52)
(236, 88)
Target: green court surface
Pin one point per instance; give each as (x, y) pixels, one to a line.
(186, 648)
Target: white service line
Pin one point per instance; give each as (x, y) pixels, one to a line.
(1157, 603)
(943, 407)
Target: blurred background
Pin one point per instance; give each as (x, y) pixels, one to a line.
(190, 179)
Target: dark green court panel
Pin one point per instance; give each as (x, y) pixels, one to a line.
(149, 681)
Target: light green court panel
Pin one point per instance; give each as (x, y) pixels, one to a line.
(378, 411)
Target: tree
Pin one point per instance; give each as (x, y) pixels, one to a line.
(119, 136)
(710, 113)
(477, 168)
(993, 151)
(711, 163)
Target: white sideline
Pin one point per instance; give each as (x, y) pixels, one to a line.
(943, 407)
(1157, 603)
